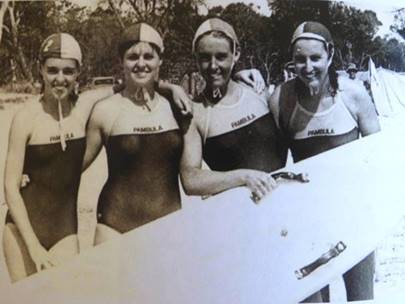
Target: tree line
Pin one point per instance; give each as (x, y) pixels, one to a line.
(264, 39)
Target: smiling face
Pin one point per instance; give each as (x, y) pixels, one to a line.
(141, 64)
(215, 59)
(59, 76)
(311, 60)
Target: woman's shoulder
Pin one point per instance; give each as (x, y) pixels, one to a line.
(163, 101)
(25, 118)
(199, 103)
(290, 84)
(354, 93)
(95, 94)
(247, 92)
(88, 99)
(199, 108)
(285, 90)
(350, 87)
(284, 93)
(106, 110)
(352, 90)
(108, 104)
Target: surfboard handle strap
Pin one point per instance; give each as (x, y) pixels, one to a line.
(300, 177)
(322, 260)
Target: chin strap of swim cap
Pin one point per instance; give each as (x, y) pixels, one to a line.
(142, 94)
(147, 99)
(216, 93)
(61, 133)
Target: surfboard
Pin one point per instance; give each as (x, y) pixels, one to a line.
(226, 249)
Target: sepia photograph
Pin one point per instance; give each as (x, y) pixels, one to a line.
(201, 151)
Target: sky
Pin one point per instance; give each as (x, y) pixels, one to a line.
(384, 10)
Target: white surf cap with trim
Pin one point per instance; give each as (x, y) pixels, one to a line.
(141, 32)
(312, 30)
(215, 24)
(61, 45)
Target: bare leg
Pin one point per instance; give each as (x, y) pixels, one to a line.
(17, 258)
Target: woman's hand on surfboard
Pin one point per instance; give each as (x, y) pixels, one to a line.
(41, 257)
(253, 78)
(259, 183)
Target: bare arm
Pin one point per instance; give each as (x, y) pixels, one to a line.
(19, 134)
(252, 78)
(361, 106)
(88, 99)
(198, 181)
(94, 138)
(180, 98)
(366, 115)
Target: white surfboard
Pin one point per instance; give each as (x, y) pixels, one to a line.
(228, 250)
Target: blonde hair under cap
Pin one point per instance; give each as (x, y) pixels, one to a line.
(140, 32)
(215, 24)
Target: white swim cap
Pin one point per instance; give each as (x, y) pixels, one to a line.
(215, 24)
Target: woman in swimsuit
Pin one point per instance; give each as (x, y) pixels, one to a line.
(318, 111)
(232, 130)
(46, 142)
(142, 138)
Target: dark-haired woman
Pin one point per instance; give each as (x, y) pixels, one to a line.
(142, 138)
(318, 111)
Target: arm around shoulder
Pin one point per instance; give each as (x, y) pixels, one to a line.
(177, 95)
(88, 99)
